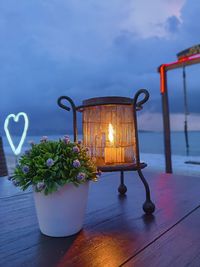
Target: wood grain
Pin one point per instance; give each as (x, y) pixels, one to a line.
(178, 247)
(115, 228)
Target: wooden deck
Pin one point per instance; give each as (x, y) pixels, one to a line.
(116, 232)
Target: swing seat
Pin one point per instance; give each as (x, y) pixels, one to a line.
(192, 162)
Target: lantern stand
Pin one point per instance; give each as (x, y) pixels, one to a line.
(148, 205)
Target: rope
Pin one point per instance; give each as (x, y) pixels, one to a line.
(186, 112)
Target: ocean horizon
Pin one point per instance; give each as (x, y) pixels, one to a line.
(149, 142)
(151, 146)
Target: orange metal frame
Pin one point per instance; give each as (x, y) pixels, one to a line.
(174, 65)
(184, 61)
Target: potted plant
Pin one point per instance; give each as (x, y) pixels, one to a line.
(59, 172)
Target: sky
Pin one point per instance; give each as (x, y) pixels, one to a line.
(88, 48)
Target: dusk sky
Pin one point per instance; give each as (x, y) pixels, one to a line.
(90, 48)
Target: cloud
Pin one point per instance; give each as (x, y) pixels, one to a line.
(148, 18)
(85, 49)
(172, 24)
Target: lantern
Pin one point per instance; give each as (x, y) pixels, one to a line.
(103, 121)
(110, 133)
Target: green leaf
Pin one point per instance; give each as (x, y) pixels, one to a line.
(60, 173)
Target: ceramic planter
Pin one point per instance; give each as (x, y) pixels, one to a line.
(62, 213)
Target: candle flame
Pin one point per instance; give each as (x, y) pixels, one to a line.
(110, 133)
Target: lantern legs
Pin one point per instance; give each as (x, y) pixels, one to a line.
(148, 205)
(122, 187)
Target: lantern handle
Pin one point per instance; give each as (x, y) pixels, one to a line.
(73, 107)
(139, 104)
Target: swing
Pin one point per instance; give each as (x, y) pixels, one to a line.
(186, 57)
(186, 113)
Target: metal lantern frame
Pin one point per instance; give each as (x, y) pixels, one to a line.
(137, 105)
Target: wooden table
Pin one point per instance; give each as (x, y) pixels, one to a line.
(116, 232)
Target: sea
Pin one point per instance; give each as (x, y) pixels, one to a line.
(151, 147)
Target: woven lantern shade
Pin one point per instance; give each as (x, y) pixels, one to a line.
(108, 130)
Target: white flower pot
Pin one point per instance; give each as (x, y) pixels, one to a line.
(62, 213)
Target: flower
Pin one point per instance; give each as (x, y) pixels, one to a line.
(25, 169)
(76, 163)
(76, 149)
(80, 142)
(80, 176)
(40, 186)
(31, 142)
(44, 139)
(49, 162)
(66, 139)
(49, 165)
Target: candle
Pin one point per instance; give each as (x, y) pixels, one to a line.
(113, 154)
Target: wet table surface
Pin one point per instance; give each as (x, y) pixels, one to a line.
(116, 232)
